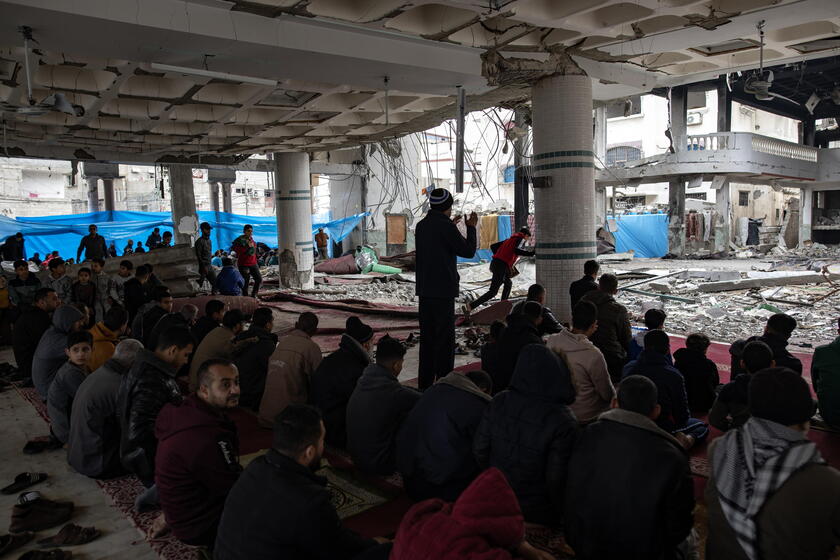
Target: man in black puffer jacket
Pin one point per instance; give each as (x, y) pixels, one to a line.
(630, 493)
(523, 329)
(434, 447)
(333, 382)
(149, 384)
(528, 433)
(252, 360)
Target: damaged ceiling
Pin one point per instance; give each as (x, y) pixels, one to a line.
(167, 80)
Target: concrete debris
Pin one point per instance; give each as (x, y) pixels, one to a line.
(765, 279)
(616, 257)
(663, 287)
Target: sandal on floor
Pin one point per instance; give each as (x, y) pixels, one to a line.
(71, 535)
(24, 480)
(9, 543)
(40, 444)
(47, 555)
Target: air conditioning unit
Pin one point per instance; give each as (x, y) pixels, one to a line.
(694, 117)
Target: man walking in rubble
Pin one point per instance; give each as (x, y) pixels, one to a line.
(503, 267)
(439, 243)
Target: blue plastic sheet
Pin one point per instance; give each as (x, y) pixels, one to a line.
(645, 234)
(44, 234)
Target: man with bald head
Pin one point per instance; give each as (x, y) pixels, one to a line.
(197, 460)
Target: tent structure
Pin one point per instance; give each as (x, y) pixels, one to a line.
(44, 234)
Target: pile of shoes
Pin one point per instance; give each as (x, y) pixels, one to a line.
(33, 513)
(9, 374)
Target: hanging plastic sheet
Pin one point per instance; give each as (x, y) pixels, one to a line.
(44, 234)
(504, 231)
(645, 234)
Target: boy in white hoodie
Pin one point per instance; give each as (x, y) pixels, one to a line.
(590, 375)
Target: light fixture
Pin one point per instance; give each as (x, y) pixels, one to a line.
(200, 72)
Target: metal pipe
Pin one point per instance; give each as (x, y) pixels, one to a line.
(459, 141)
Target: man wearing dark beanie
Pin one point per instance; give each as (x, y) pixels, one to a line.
(333, 382)
(439, 244)
(771, 495)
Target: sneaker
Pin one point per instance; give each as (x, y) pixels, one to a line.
(39, 514)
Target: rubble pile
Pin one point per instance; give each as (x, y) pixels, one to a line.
(810, 249)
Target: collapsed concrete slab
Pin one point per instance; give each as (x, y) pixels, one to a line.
(768, 280)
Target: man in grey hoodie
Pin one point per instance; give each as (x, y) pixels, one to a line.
(93, 444)
(49, 355)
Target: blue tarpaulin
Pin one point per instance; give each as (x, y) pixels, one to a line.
(645, 234)
(44, 234)
(487, 254)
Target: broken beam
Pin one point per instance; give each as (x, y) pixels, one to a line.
(663, 296)
(780, 300)
(745, 284)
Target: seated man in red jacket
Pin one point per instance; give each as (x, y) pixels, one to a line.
(504, 259)
(197, 459)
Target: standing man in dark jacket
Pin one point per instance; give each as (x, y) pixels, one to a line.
(434, 447)
(252, 360)
(580, 288)
(204, 254)
(504, 260)
(30, 327)
(93, 245)
(523, 329)
(332, 384)
(377, 410)
(439, 244)
(613, 334)
(279, 508)
(93, 445)
(630, 492)
(528, 433)
(675, 417)
(214, 310)
(149, 385)
(154, 239)
(777, 331)
(197, 460)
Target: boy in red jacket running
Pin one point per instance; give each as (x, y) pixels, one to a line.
(504, 259)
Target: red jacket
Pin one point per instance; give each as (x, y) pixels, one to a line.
(196, 464)
(511, 249)
(485, 523)
(246, 251)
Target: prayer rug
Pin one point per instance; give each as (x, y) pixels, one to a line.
(349, 495)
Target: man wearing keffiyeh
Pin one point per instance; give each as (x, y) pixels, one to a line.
(771, 495)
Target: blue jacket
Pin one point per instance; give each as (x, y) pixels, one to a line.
(670, 384)
(229, 282)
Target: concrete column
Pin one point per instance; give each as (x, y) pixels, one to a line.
(93, 193)
(723, 223)
(724, 106)
(183, 203)
(520, 178)
(214, 195)
(108, 187)
(227, 198)
(294, 219)
(564, 184)
(806, 213)
(676, 217)
(679, 130)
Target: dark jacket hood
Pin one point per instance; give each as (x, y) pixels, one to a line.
(193, 413)
(540, 374)
(519, 323)
(352, 345)
(149, 357)
(649, 357)
(376, 377)
(64, 317)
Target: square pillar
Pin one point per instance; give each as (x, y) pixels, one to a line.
(93, 193)
(108, 187)
(723, 220)
(806, 215)
(676, 217)
(183, 203)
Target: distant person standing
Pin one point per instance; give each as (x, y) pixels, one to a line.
(439, 243)
(502, 267)
(112, 249)
(139, 248)
(246, 259)
(321, 240)
(204, 254)
(153, 240)
(13, 249)
(93, 245)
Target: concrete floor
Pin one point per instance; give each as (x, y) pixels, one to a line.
(120, 539)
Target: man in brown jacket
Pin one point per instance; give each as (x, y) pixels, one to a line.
(613, 333)
(594, 390)
(770, 494)
(291, 365)
(219, 343)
